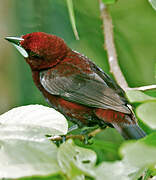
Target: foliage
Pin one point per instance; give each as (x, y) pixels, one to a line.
(23, 145)
(24, 150)
(72, 18)
(109, 1)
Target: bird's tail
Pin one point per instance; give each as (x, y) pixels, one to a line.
(130, 131)
(126, 124)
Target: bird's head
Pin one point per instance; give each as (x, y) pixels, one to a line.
(40, 50)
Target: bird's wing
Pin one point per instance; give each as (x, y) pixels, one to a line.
(87, 89)
(108, 80)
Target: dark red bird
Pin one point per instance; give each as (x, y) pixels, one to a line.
(75, 86)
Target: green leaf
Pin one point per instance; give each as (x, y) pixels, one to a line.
(140, 154)
(53, 177)
(108, 1)
(105, 144)
(155, 71)
(72, 17)
(75, 161)
(153, 3)
(138, 96)
(147, 113)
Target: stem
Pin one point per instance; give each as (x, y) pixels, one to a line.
(110, 47)
(79, 136)
(111, 51)
(72, 17)
(145, 88)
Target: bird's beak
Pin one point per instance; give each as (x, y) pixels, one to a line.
(16, 42)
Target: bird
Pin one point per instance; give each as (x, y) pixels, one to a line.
(75, 86)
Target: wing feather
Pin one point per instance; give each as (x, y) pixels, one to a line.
(87, 89)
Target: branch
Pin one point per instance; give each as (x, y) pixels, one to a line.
(81, 137)
(110, 47)
(145, 88)
(111, 51)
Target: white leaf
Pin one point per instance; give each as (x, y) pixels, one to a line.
(24, 150)
(32, 121)
(20, 158)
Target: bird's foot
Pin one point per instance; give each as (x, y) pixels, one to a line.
(86, 135)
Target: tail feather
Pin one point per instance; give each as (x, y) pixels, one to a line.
(130, 131)
(126, 124)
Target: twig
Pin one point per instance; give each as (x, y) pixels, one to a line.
(145, 88)
(111, 51)
(110, 47)
(81, 137)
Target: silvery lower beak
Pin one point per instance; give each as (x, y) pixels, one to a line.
(16, 42)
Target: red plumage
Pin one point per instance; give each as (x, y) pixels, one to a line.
(76, 87)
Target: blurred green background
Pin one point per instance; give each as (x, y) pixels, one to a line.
(135, 37)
